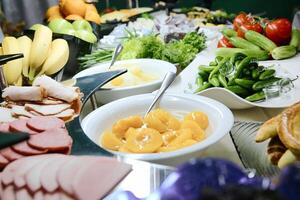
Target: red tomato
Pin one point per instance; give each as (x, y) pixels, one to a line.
(241, 19)
(224, 42)
(245, 27)
(279, 31)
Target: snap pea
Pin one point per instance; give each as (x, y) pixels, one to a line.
(216, 69)
(255, 73)
(244, 63)
(245, 83)
(214, 81)
(204, 75)
(218, 59)
(237, 56)
(238, 90)
(203, 87)
(256, 97)
(259, 85)
(268, 73)
(222, 80)
(199, 81)
(213, 63)
(206, 68)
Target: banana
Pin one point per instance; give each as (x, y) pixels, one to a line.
(39, 49)
(1, 51)
(58, 57)
(25, 45)
(13, 69)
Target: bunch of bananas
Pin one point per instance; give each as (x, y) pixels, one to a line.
(41, 56)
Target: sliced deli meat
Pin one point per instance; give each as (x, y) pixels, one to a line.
(3, 161)
(23, 194)
(6, 115)
(8, 193)
(18, 93)
(47, 109)
(45, 123)
(4, 127)
(18, 111)
(10, 154)
(20, 125)
(24, 149)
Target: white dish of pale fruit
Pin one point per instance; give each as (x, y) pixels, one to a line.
(182, 124)
(143, 76)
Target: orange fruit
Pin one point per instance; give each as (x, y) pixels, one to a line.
(52, 11)
(73, 17)
(91, 8)
(92, 17)
(73, 7)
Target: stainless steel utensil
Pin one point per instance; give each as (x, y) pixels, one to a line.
(116, 53)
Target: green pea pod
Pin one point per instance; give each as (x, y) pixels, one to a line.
(238, 90)
(245, 83)
(244, 63)
(237, 56)
(222, 80)
(214, 81)
(203, 87)
(199, 81)
(269, 73)
(204, 75)
(259, 85)
(256, 97)
(216, 69)
(218, 59)
(255, 73)
(206, 68)
(213, 63)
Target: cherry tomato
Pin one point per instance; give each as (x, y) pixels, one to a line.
(245, 27)
(224, 42)
(241, 19)
(279, 31)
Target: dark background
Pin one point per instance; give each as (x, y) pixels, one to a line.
(271, 8)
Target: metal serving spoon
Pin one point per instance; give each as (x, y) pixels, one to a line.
(167, 81)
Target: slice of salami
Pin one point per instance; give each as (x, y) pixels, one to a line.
(51, 142)
(20, 125)
(3, 161)
(42, 123)
(10, 154)
(4, 127)
(23, 194)
(24, 149)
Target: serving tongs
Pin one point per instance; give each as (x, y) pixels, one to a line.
(7, 139)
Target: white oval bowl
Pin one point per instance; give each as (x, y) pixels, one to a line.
(151, 66)
(220, 121)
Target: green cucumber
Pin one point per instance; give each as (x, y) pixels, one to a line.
(242, 43)
(283, 52)
(260, 40)
(229, 32)
(257, 54)
(295, 40)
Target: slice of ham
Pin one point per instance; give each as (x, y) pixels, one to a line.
(50, 101)
(45, 123)
(55, 89)
(23, 194)
(49, 179)
(64, 196)
(39, 195)
(8, 172)
(8, 193)
(17, 110)
(47, 109)
(3, 161)
(26, 150)
(6, 115)
(99, 175)
(27, 164)
(10, 154)
(4, 127)
(66, 114)
(23, 93)
(20, 125)
(1, 188)
(54, 141)
(53, 196)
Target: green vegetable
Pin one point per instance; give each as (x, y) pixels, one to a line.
(295, 40)
(206, 68)
(199, 81)
(216, 69)
(245, 83)
(256, 97)
(97, 56)
(259, 85)
(218, 59)
(228, 52)
(269, 73)
(260, 40)
(222, 80)
(244, 63)
(196, 40)
(214, 81)
(242, 43)
(204, 75)
(255, 73)
(238, 90)
(283, 52)
(203, 87)
(246, 72)
(213, 63)
(229, 32)
(237, 57)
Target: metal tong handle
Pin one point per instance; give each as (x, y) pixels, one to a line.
(116, 53)
(167, 81)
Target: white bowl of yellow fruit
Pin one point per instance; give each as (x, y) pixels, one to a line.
(143, 76)
(180, 125)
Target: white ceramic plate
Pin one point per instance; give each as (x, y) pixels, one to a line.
(152, 66)
(220, 120)
(185, 83)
